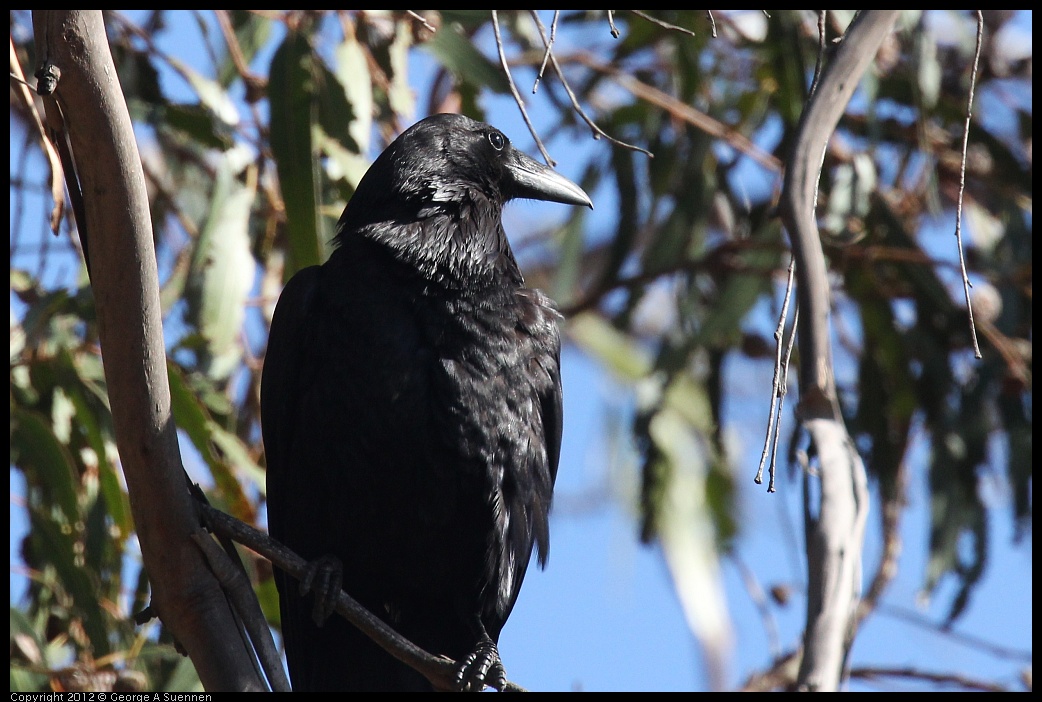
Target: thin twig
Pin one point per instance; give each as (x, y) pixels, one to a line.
(684, 112)
(611, 24)
(870, 673)
(665, 25)
(718, 259)
(759, 598)
(440, 670)
(770, 442)
(966, 284)
(549, 45)
(24, 92)
(915, 618)
(416, 16)
(232, 42)
(597, 131)
(822, 16)
(784, 387)
(893, 510)
(240, 593)
(514, 92)
(58, 134)
(712, 21)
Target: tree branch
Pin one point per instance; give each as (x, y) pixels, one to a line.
(439, 670)
(835, 527)
(126, 290)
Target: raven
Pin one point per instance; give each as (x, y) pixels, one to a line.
(411, 412)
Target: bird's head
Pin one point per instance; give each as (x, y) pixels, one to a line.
(437, 192)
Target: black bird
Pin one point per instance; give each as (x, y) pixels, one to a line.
(411, 411)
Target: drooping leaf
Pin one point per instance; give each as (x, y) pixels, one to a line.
(201, 125)
(222, 269)
(252, 31)
(33, 444)
(293, 115)
(224, 453)
(78, 582)
(454, 50)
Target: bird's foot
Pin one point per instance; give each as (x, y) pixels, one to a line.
(324, 578)
(482, 667)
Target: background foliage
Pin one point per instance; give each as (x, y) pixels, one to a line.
(252, 155)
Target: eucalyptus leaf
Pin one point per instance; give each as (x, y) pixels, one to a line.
(293, 117)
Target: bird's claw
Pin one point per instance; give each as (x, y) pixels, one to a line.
(482, 667)
(324, 577)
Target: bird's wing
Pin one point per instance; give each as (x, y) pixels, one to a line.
(553, 416)
(280, 382)
(280, 393)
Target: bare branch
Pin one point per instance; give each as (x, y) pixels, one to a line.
(240, 592)
(966, 285)
(915, 618)
(963, 681)
(419, 18)
(759, 598)
(819, 61)
(597, 131)
(26, 99)
(780, 675)
(665, 25)
(818, 395)
(778, 389)
(549, 45)
(835, 525)
(185, 594)
(684, 112)
(514, 92)
(439, 670)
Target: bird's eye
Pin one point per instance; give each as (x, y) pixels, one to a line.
(497, 140)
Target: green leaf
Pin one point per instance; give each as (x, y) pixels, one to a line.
(618, 352)
(721, 327)
(571, 252)
(400, 95)
(32, 643)
(189, 414)
(117, 503)
(252, 32)
(292, 119)
(224, 453)
(455, 50)
(886, 400)
(34, 444)
(237, 454)
(184, 678)
(201, 125)
(352, 73)
(335, 114)
(686, 531)
(223, 269)
(212, 95)
(58, 543)
(928, 68)
(467, 19)
(268, 596)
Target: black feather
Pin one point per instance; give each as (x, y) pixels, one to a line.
(411, 410)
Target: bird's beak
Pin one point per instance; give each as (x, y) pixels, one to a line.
(531, 179)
